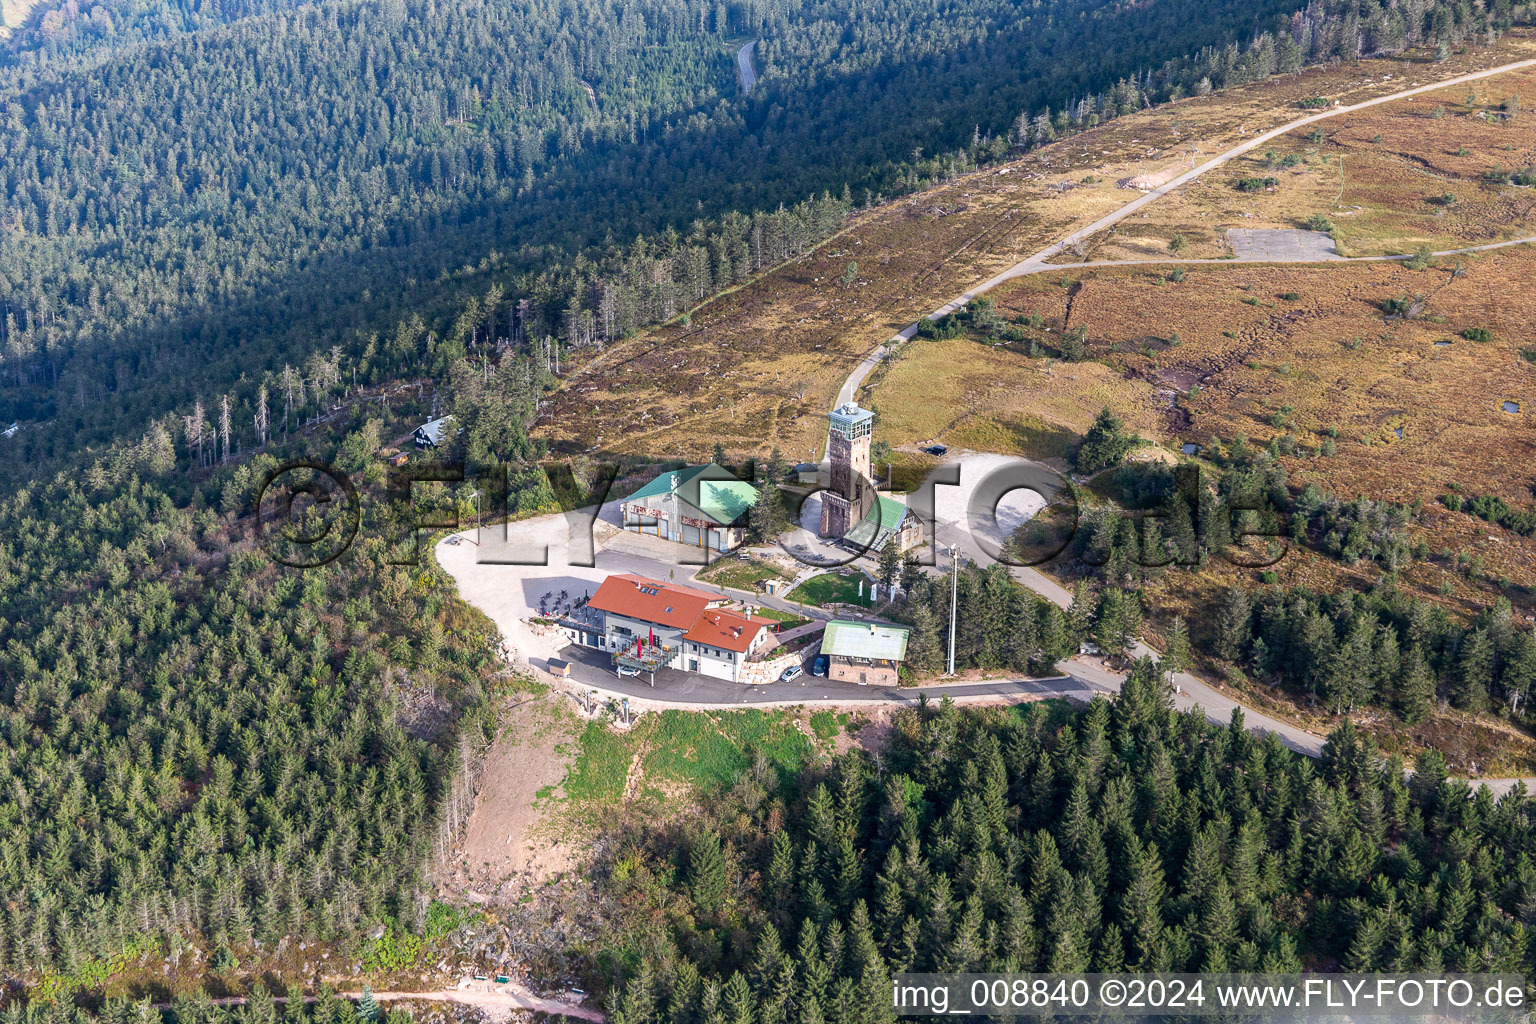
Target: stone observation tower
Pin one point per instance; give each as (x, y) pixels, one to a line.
(852, 492)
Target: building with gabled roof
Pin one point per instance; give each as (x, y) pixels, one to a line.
(864, 652)
(702, 506)
(652, 624)
(430, 433)
(886, 520)
(656, 601)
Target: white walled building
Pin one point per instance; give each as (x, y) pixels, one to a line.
(651, 624)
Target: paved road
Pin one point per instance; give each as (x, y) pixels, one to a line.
(1036, 264)
(1195, 692)
(690, 691)
(744, 66)
(503, 592)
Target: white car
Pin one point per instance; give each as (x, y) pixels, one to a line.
(791, 674)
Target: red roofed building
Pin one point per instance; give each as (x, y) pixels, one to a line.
(650, 624)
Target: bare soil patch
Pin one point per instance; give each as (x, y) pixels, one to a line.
(506, 838)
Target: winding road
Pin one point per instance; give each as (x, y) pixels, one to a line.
(1194, 692)
(1036, 264)
(744, 66)
(504, 592)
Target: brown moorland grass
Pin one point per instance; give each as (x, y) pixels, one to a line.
(1380, 176)
(756, 368)
(1327, 359)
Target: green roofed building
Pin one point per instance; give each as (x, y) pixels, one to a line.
(864, 652)
(886, 518)
(701, 506)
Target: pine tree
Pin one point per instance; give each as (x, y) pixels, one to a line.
(1106, 443)
(1020, 641)
(924, 656)
(1110, 629)
(224, 428)
(197, 430)
(1081, 613)
(1130, 620)
(1520, 670)
(768, 517)
(367, 1007)
(1181, 532)
(260, 420)
(1055, 638)
(1142, 906)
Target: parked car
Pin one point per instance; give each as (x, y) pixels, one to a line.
(791, 674)
(819, 666)
(936, 449)
(1088, 647)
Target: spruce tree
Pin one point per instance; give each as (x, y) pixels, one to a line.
(1415, 687)
(1232, 623)
(1520, 670)
(1176, 654)
(1110, 628)
(1106, 443)
(1082, 612)
(1474, 672)
(706, 870)
(890, 565)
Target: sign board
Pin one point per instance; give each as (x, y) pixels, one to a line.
(641, 510)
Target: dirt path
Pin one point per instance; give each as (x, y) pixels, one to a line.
(484, 994)
(509, 996)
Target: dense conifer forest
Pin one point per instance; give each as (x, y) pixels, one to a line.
(295, 178)
(204, 751)
(1125, 837)
(222, 225)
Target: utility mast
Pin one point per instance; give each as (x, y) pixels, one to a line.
(954, 595)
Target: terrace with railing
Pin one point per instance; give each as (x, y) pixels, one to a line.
(649, 658)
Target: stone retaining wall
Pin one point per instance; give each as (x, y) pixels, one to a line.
(760, 673)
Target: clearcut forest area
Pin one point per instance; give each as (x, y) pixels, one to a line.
(563, 246)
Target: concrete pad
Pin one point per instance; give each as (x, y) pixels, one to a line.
(1282, 245)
